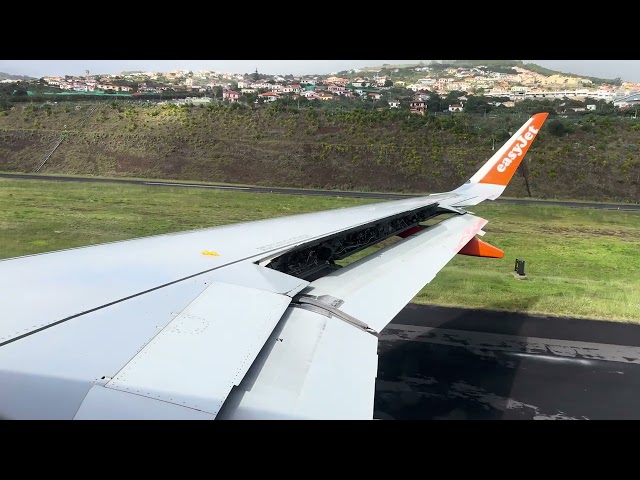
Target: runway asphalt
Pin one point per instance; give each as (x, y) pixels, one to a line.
(298, 191)
(451, 363)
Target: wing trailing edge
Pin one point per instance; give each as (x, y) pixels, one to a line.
(321, 363)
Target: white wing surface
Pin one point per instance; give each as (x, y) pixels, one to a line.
(251, 320)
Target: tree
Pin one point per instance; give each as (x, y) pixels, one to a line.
(255, 76)
(435, 103)
(531, 106)
(477, 104)
(557, 128)
(524, 170)
(122, 82)
(388, 83)
(452, 96)
(249, 98)
(572, 102)
(400, 92)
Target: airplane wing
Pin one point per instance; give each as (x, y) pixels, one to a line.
(247, 321)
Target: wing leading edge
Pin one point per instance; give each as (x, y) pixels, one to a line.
(226, 337)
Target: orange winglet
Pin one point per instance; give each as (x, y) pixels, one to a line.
(478, 248)
(505, 166)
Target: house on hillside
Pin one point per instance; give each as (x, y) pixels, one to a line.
(337, 80)
(456, 107)
(293, 88)
(421, 97)
(394, 103)
(418, 107)
(564, 108)
(231, 95)
(269, 96)
(361, 83)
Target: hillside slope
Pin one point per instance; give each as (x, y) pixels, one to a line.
(588, 158)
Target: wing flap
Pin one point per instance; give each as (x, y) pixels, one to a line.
(108, 404)
(81, 355)
(206, 350)
(312, 367)
(320, 363)
(377, 287)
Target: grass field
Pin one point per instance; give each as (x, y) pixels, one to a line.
(579, 261)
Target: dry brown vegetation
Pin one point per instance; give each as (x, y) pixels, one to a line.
(590, 157)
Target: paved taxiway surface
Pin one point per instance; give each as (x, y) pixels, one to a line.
(452, 363)
(297, 191)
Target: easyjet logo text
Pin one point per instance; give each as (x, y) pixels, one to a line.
(518, 148)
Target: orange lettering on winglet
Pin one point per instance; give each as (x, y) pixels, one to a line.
(506, 166)
(478, 248)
